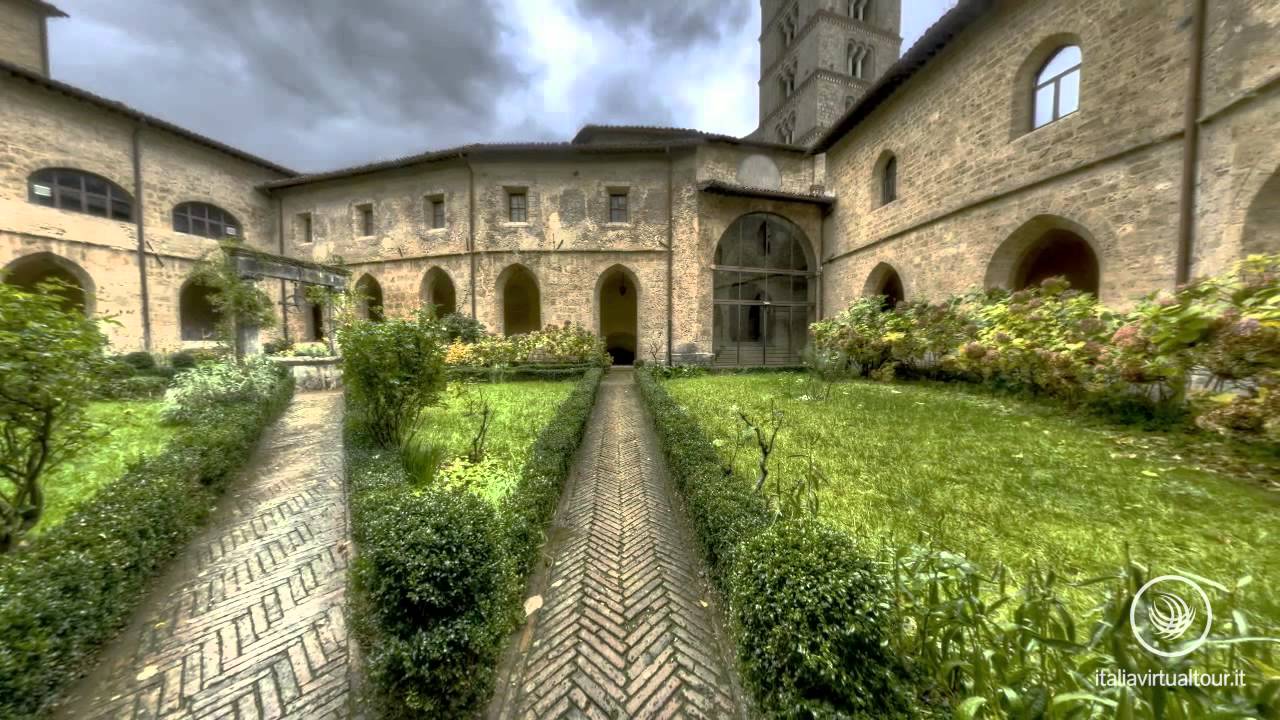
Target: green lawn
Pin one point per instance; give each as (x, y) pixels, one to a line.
(1002, 480)
(520, 410)
(129, 430)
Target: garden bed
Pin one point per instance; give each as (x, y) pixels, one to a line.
(998, 480)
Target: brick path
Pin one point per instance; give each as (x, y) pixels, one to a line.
(250, 623)
(626, 628)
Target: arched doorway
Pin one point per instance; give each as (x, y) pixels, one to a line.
(521, 303)
(885, 281)
(1042, 248)
(437, 290)
(762, 297)
(369, 298)
(74, 288)
(618, 314)
(1262, 222)
(196, 314)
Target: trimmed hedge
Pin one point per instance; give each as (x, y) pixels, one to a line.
(439, 573)
(520, 372)
(807, 606)
(723, 508)
(69, 591)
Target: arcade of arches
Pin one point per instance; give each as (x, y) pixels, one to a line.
(521, 303)
(886, 282)
(618, 314)
(198, 317)
(1042, 248)
(69, 282)
(437, 289)
(369, 298)
(763, 297)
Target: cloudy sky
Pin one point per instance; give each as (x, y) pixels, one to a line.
(320, 84)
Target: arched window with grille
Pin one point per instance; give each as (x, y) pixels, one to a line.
(79, 191)
(1057, 87)
(211, 221)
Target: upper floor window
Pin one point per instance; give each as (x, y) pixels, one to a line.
(211, 221)
(517, 206)
(787, 130)
(790, 24)
(889, 181)
(364, 216)
(788, 82)
(435, 206)
(618, 207)
(304, 228)
(858, 9)
(79, 191)
(858, 61)
(1057, 90)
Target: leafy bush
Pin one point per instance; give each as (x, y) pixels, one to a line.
(1055, 341)
(50, 358)
(431, 581)
(212, 384)
(276, 347)
(139, 387)
(391, 370)
(70, 590)
(461, 327)
(183, 360)
(139, 360)
(440, 572)
(996, 646)
(568, 344)
(813, 618)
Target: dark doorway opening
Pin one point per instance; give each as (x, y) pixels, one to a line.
(521, 304)
(1059, 252)
(618, 315)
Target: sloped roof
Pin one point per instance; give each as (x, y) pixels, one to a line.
(720, 187)
(47, 9)
(118, 107)
(937, 37)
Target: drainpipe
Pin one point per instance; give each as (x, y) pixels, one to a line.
(1190, 144)
(471, 232)
(284, 309)
(142, 238)
(671, 213)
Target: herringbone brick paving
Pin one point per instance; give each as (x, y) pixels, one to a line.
(251, 622)
(626, 628)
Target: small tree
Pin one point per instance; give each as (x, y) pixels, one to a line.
(392, 370)
(50, 359)
(238, 301)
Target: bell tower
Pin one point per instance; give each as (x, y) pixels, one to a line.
(817, 58)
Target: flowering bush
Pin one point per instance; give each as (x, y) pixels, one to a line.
(552, 345)
(1216, 334)
(217, 383)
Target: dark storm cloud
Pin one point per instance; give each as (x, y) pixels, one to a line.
(309, 83)
(671, 23)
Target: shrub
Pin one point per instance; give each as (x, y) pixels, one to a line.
(212, 384)
(391, 370)
(182, 360)
(140, 361)
(276, 347)
(431, 576)
(50, 358)
(460, 327)
(140, 387)
(813, 618)
(71, 589)
(722, 507)
(553, 345)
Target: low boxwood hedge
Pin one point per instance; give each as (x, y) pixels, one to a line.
(439, 573)
(808, 609)
(520, 372)
(71, 589)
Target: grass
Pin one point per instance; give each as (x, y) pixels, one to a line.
(130, 430)
(520, 409)
(1001, 480)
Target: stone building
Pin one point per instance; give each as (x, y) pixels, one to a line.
(1126, 145)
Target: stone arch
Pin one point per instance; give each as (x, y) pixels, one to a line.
(1262, 220)
(520, 300)
(763, 292)
(618, 302)
(1022, 93)
(885, 280)
(369, 298)
(28, 271)
(438, 290)
(197, 317)
(1045, 246)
